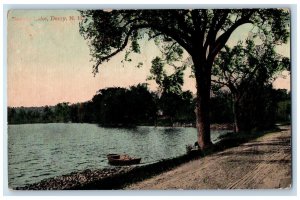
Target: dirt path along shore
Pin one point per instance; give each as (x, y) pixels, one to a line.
(263, 163)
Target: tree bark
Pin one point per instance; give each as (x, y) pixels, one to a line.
(236, 110)
(203, 84)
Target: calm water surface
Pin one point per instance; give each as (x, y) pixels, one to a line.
(39, 151)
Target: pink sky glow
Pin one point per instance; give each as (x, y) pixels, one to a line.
(49, 62)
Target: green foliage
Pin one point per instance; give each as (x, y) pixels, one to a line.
(142, 103)
(112, 107)
(109, 32)
(166, 83)
(120, 106)
(245, 70)
(221, 107)
(135, 46)
(11, 116)
(62, 112)
(236, 67)
(21, 115)
(157, 71)
(283, 111)
(140, 107)
(48, 114)
(258, 108)
(177, 107)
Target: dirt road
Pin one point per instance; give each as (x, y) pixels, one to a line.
(262, 163)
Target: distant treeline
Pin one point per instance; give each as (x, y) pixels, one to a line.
(139, 106)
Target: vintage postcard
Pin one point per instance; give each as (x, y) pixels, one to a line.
(149, 99)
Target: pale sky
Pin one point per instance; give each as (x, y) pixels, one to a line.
(49, 61)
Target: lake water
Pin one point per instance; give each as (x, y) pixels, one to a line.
(39, 151)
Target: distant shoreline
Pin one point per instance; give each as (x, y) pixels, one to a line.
(222, 126)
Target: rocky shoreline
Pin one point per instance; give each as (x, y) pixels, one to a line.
(108, 178)
(76, 180)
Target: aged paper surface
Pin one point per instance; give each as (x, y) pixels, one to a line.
(66, 116)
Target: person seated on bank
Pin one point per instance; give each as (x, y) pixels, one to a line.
(196, 145)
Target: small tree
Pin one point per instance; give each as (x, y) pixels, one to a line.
(245, 70)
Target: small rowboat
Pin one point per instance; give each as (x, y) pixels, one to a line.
(116, 159)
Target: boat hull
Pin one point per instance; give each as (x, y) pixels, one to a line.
(115, 159)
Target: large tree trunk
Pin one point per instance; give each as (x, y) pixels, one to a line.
(203, 84)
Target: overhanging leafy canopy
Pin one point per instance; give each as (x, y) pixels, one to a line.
(201, 32)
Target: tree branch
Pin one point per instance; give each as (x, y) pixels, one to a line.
(181, 20)
(177, 37)
(221, 41)
(164, 30)
(251, 75)
(121, 48)
(155, 35)
(215, 27)
(219, 82)
(195, 20)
